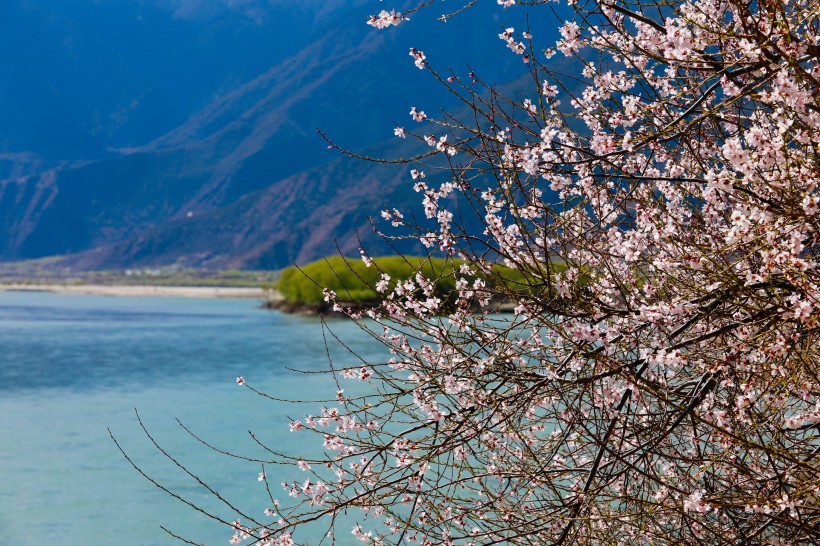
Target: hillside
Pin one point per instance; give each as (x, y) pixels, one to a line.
(150, 133)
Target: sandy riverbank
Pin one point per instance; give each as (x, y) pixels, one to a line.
(133, 290)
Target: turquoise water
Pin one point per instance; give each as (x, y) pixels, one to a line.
(72, 367)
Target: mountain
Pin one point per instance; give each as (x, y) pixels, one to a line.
(151, 132)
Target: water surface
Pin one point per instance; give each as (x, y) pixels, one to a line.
(72, 367)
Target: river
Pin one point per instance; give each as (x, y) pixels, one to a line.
(72, 367)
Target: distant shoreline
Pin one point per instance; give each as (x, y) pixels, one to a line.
(142, 290)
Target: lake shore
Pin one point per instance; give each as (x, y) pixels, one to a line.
(143, 290)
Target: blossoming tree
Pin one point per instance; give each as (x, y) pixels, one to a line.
(657, 381)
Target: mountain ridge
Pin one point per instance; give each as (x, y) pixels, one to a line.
(240, 179)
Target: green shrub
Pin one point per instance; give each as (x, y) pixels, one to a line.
(354, 282)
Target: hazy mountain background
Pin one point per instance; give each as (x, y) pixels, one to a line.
(151, 132)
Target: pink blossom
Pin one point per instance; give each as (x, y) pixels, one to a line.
(385, 19)
(416, 115)
(419, 58)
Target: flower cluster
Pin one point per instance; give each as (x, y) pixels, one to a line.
(656, 241)
(386, 18)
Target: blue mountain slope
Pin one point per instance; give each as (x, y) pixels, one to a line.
(147, 131)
